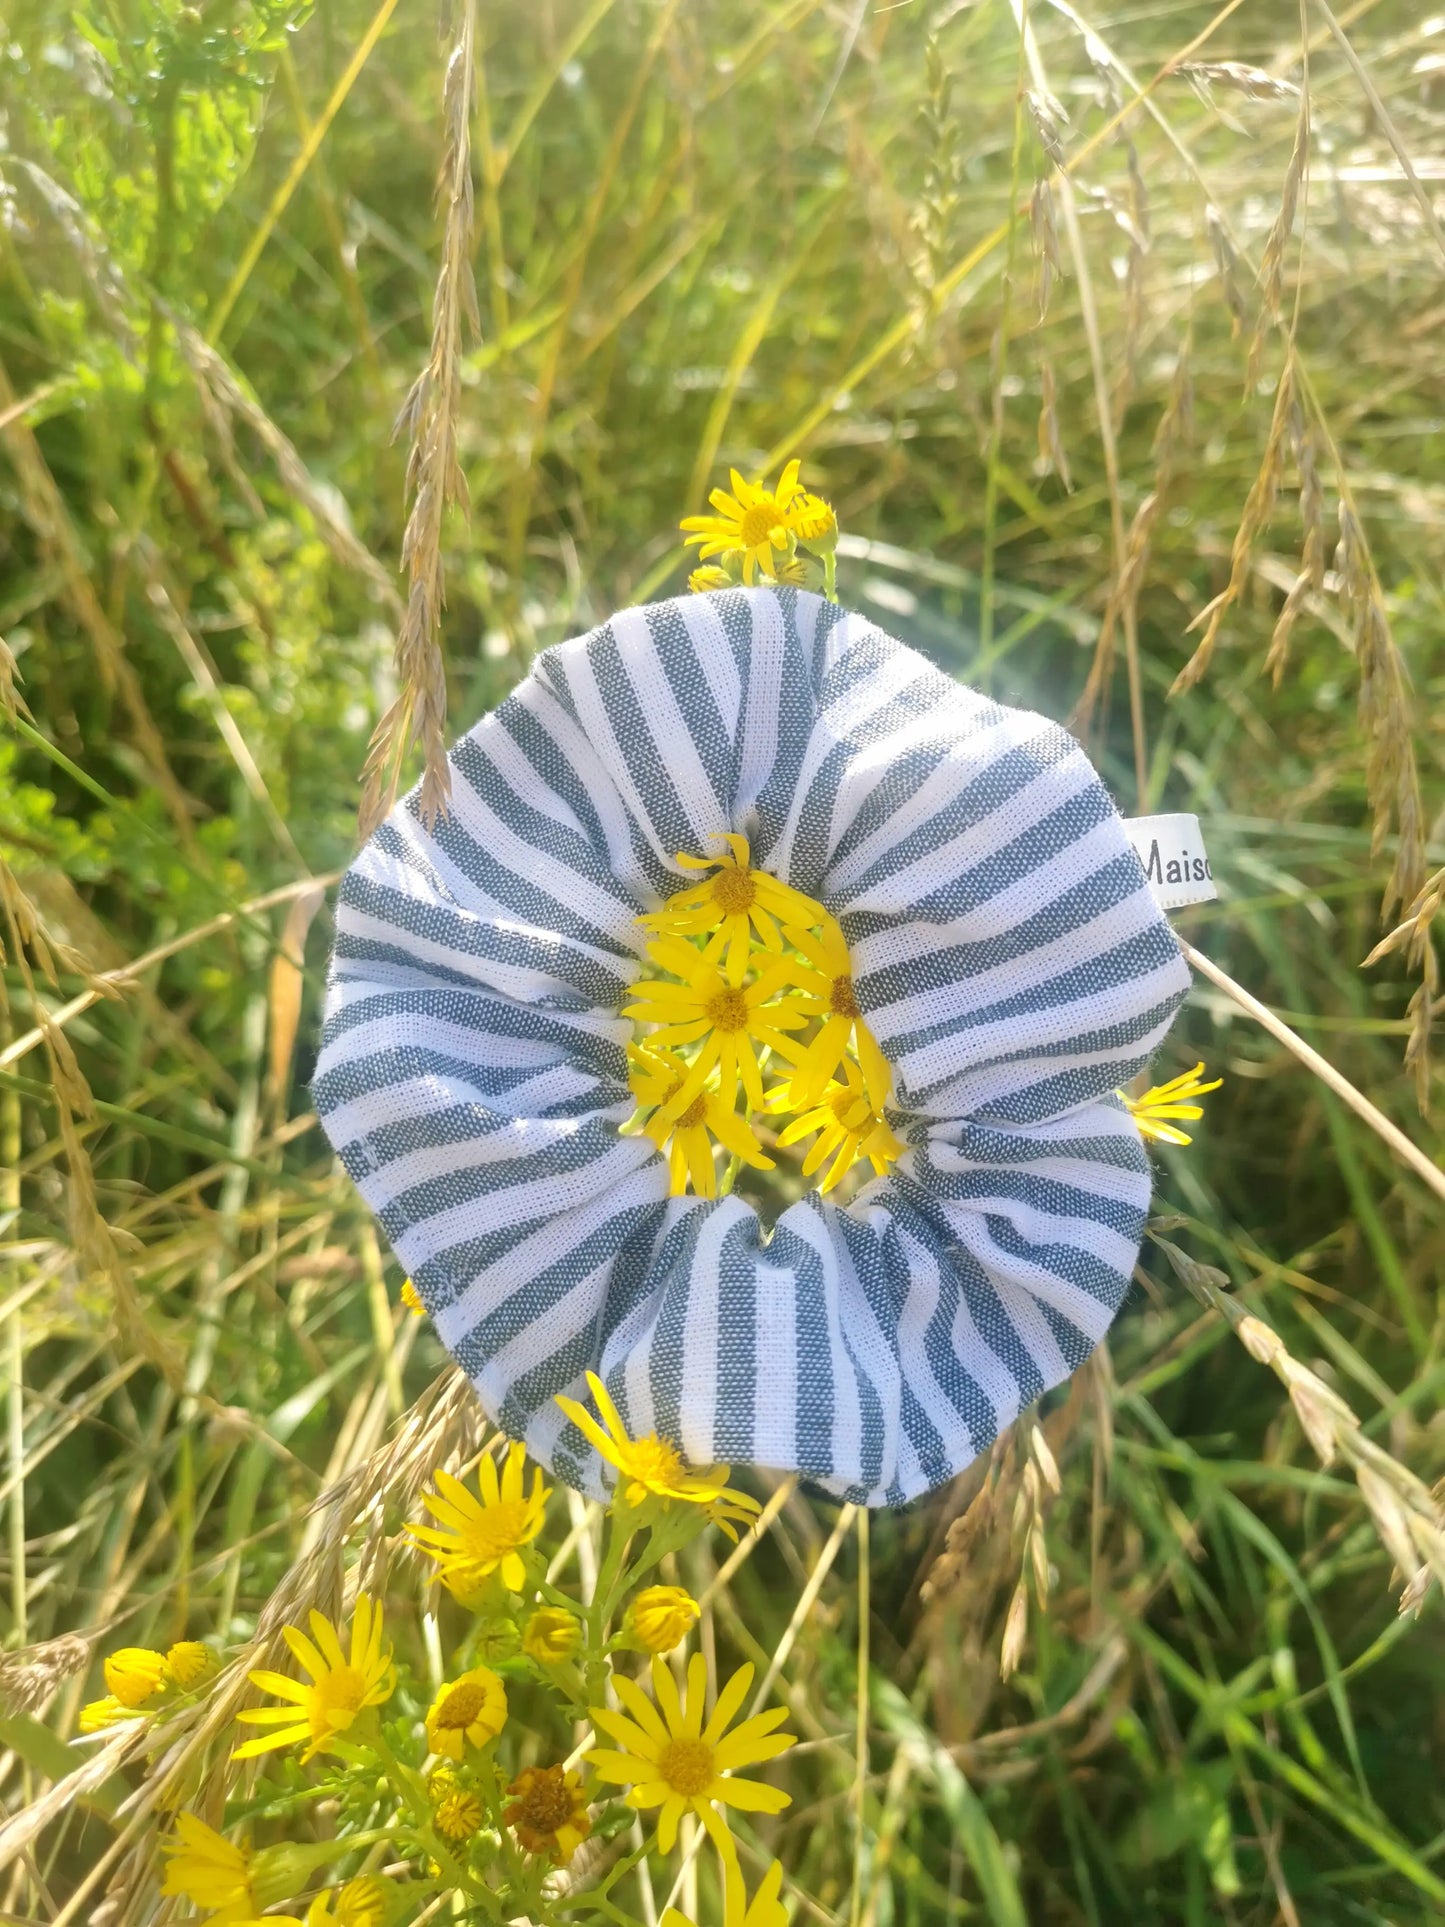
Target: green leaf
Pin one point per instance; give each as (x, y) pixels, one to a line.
(57, 1760)
(973, 1830)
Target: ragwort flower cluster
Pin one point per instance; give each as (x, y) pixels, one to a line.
(753, 997)
(141, 1683)
(465, 1792)
(760, 534)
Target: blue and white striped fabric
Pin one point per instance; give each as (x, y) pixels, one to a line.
(1008, 956)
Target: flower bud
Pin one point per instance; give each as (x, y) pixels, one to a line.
(475, 1592)
(280, 1871)
(497, 1642)
(660, 1617)
(135, 1674)
(188, 1662)
(364, 1902)
(815, 523)
(459, 1815)
(551, 1635)
(99, 1714)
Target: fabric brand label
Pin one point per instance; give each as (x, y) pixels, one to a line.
(1176, 863)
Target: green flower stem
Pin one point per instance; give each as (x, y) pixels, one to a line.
(597, 1896)
(554, 1596)
(280, 1871)
(620, 1537)
(595, 1680)
(597, 1616)
(566, 1679)
(412, 1788)
(669, 1529)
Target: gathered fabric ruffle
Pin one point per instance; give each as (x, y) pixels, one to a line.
(1007, 956)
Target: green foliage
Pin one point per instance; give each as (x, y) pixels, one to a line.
(707, 234)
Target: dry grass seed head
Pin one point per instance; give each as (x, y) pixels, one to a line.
(1227, 265)
(431, 417)
(1051, 444)
(1406, 1515)
(1253, 82)
(1049, 119)
(1047, 260)
(935, 219)
(230, 400)
(1271, 274)
(30, 1675)
(1258, 509)
(1135, 225)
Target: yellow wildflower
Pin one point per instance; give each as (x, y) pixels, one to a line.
(735, 901)
(814, 522)
(796, 572)
(477, 1537)
(751, 523)
(709, 577)
(662, 1616)
(674, 1761)
(650, 1466)
(343, 1684)
(685, 1140)
(459, 1815)
(411, 1298)
(733, 1509)
(765, 1910)
(1163, 1101)
(203, 1866)
(825, 990)
(848, 1128)
(97, 1715)
(548, 1813)
(551, 1635)
(188, 1662)
(360, 1903)
(135, 1674)
(728, 1021)
(469, 1712)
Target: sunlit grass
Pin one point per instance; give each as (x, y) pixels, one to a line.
(701, 236)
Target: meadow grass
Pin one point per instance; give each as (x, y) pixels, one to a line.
(1113, 338)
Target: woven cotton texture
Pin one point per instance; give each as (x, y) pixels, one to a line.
(1007, 955)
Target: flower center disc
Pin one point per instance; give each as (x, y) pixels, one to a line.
(693, 1115)
(758, 524)
(655, 1461)
(339, 1697)
(461, 1705)
(547, 1803)
(499, 1530)
(687, 1767)
(734, 892)
(728, 1010)
(851, 1111)
(841, 1001)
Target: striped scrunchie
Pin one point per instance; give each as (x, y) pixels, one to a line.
(1007, 955)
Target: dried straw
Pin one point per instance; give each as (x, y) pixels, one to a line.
(1405, 1514)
